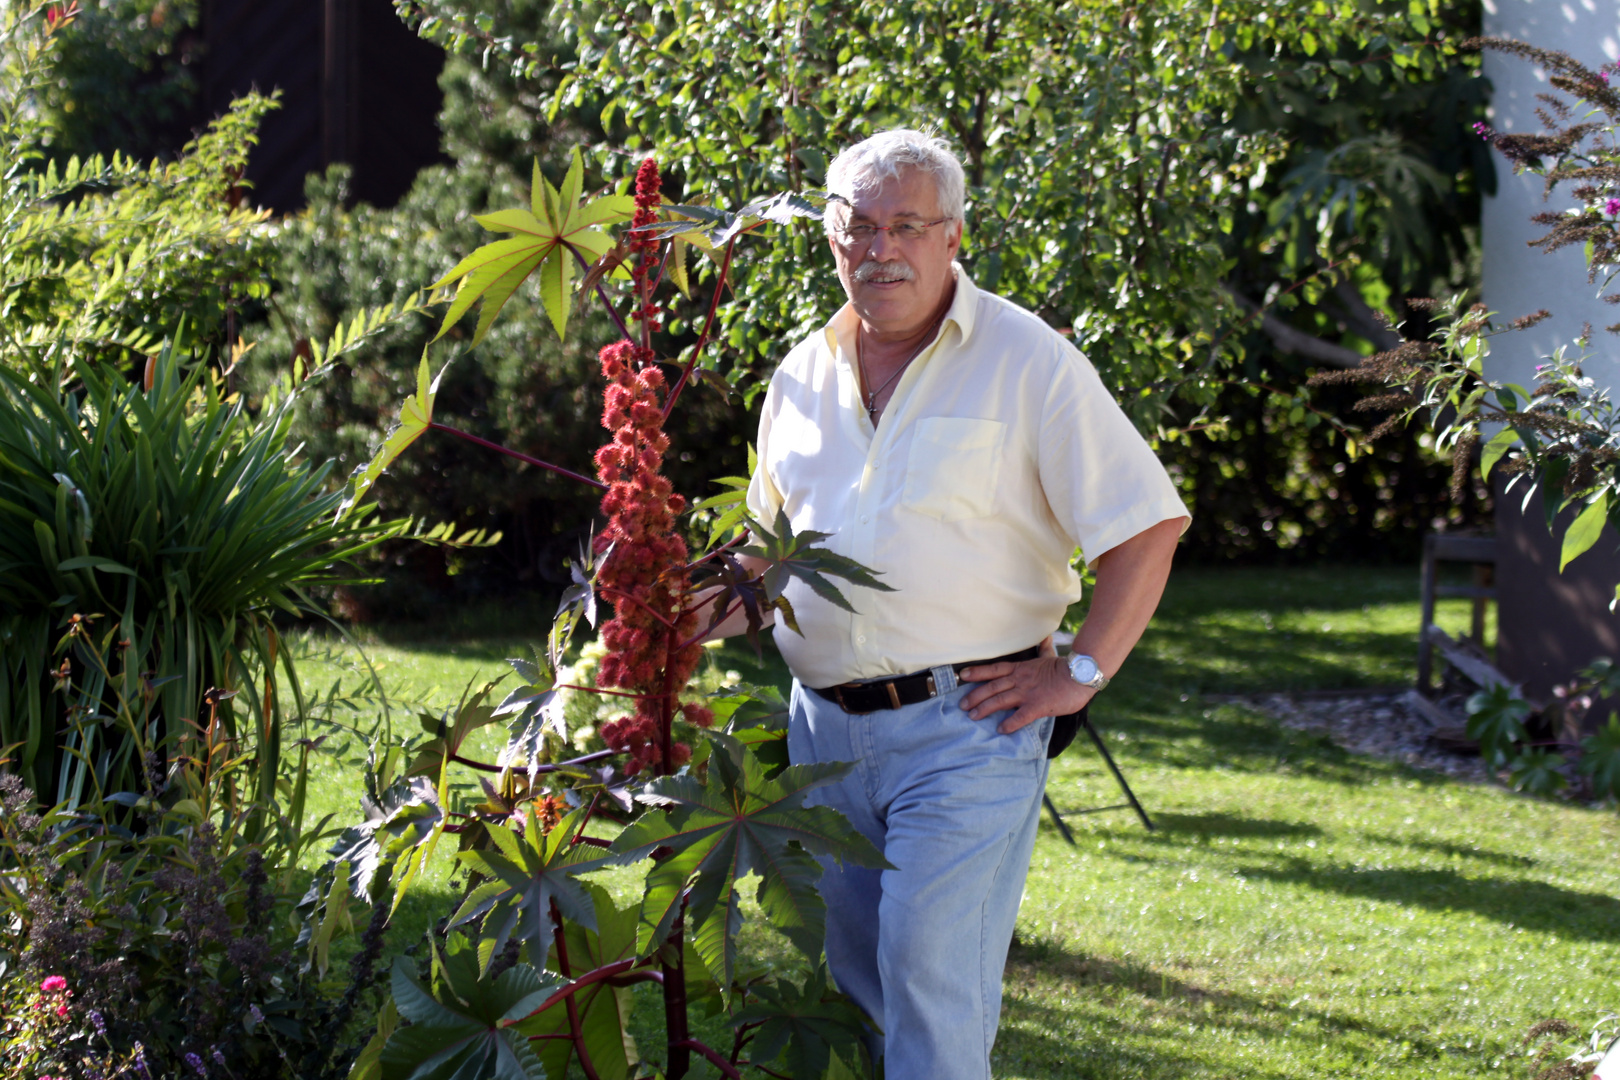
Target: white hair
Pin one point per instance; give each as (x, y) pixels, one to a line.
(866, 165)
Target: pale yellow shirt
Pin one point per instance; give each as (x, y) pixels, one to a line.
(1000, 452)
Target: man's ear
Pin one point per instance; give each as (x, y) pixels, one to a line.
(953, 237)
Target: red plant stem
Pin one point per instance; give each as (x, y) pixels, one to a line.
(708, 324)
(609, 971)
(635, 977)
(484, 766)
(708, 555)
(601, 293)
(714, 1057)
(626, 596)
(675, 1004)
(596, 690)
(666, 705)
(731, 610)
(574, 1026)
(498, 448)
(593, 841)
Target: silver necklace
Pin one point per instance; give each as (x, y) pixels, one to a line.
(870, 400)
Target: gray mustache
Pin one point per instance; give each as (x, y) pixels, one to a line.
(888, 271)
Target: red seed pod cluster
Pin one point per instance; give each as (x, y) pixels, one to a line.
(644, 245)
(645, 578)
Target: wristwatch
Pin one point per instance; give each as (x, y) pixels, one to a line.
(1085, 671)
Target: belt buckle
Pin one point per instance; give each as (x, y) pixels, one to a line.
(838, 696)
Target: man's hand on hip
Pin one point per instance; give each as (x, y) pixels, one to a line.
(1034, 688)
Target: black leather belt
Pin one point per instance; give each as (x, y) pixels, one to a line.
(892, 693)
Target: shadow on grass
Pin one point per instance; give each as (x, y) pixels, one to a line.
(1221, 824)
(1032, 1031)
(1532, 905)
(1460, 851)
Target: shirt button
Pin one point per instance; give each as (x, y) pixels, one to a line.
(864, 519)
(861, 639)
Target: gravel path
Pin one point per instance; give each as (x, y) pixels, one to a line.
(1385, 725)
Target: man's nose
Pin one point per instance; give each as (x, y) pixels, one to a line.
(883, 247)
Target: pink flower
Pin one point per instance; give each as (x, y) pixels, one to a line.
(55, 984)
(1612, 207)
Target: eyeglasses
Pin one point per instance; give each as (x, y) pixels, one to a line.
(861, 235)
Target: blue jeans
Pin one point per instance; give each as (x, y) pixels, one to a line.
(953, 804)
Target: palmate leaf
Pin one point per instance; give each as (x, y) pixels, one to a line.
(448, 735)
(798, 556)
(740, 821)
(713, 228)
(1600, 758)
(1496, 721)
(463, 1027)
(604, 1010)
(805, 1027)
(526, 875)
(400, 821)
(551, 236)
(414, 417)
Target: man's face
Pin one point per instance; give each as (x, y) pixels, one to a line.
(897, 286)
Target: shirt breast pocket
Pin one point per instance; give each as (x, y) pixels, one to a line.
(952, 468)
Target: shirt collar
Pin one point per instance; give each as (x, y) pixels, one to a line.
(840, 329)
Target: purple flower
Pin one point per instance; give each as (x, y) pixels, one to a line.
(255, 1015)
(1483, 130)
(196, 1063)
(1612, 207)
(219, 1058)
(140, 1061)
(98, 1022)
(1604, 75)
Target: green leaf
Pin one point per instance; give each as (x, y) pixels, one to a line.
(806, 1028)
(464, 1025)
(1584, 531)
(1496, 721)
(528, 874)
(1536, 771)
(551, 236)
(414, 417)
(1600, 758)
(739, 821)
(1500, 443)
(402, 820)
(604, 1011)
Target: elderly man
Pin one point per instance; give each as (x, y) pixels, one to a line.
(953, 442)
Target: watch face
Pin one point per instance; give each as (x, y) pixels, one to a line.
(1084, 669)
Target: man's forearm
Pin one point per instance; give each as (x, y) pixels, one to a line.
(1130, 583)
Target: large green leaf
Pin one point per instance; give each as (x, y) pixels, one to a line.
(604, 1010)
(551, 236)
(1496, 721)
(742, 820)
(463, 1026)
(526, 875)
(804, 1028)
(401, 820)
(1600, 758)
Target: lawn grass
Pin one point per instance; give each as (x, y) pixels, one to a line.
(1299, 911)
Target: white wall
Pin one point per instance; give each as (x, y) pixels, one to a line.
(1520, 279)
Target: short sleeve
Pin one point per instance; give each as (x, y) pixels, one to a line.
(1099, 475)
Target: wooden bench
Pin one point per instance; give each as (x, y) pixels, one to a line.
(1452, 547)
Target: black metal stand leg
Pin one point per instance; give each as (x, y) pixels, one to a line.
(1096, 739)
(1057, 819)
